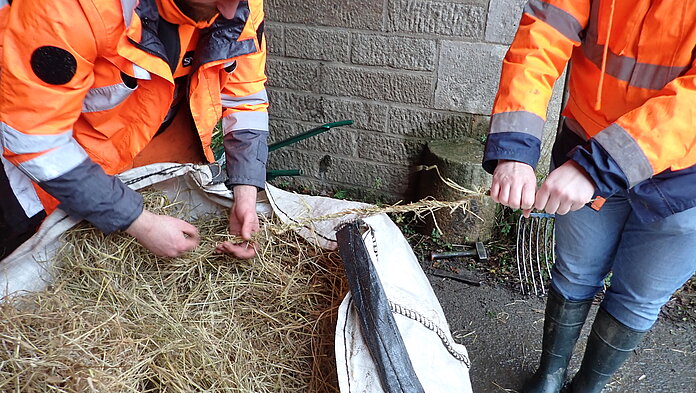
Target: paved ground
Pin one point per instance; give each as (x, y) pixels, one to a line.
(502, 331)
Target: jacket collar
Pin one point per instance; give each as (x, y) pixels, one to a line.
(218, 41)
(171, 13)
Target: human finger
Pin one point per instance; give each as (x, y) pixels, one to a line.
(527, 197)
(245, 250)
(495, 191)
(541, 199)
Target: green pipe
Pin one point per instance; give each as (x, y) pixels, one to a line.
(272, 174)
(308, 134)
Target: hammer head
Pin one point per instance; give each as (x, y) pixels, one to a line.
(481, 251)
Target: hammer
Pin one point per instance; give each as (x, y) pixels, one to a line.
(480, 252)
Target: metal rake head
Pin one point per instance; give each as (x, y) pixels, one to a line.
(535, 252)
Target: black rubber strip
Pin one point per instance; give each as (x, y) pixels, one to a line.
(377, 323)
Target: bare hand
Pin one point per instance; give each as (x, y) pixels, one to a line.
(163, 235)
(243, 222)
(514, 185)
(567, 188)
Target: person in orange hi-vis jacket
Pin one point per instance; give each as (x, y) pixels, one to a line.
(628, 138)
(90, 88)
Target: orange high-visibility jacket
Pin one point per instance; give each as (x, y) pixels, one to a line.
(92, 81)
(632, 95)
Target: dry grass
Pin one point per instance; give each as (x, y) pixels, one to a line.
(118, 319)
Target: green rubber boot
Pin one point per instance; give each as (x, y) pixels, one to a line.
(562, 325)
(609, 345)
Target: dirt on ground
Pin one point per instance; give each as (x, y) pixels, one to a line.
(502, 330)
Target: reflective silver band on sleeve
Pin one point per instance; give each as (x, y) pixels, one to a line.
(626, 152)
(557, 18)
(22, 189)
(518, 121)
(248, 120)
(105, 98)
(54, 163)
(21, 143)
(259, 98)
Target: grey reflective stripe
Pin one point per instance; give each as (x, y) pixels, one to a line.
(2, 4)
(128, 7)
(21, 143)
(253, 99)
(22, 189)
(625, 151)
(559, 19)
(105, 98)
(627, 69)
(54, 163)
(245, 121)
(519, 121)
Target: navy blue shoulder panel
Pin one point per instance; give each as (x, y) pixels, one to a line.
(159, 37)
(219, 41)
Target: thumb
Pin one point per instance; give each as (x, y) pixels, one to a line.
(189, 229)
(247, 227)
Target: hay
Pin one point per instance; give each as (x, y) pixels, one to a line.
(118, 319)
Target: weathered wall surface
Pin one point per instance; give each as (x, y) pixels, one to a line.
(406, 71)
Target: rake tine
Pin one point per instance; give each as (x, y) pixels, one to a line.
(527, 255)
(517, 251)
(525, 251)
(539, 269)
(547, 240)
(553, 241)
(530, 253)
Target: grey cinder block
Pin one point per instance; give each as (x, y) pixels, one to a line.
(320, 109)
(376, 84)
(428, 124)
(394, 51)
(503, 20)
(389, 149)
(356, 14)
(291, 74)
(437, 17)
(317, 44)
(468, 76)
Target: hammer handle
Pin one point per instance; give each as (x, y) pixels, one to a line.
(451, 254)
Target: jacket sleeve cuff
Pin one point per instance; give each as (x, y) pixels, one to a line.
(87, 192)
(246, 153)
(601, 167)
(513, 146)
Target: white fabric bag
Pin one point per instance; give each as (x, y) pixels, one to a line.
(408, 346)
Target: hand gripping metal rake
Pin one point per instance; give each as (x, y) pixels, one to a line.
(535, 252)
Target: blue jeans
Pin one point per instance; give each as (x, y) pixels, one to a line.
(648, 261)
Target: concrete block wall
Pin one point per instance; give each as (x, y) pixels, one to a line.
(406, 72)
